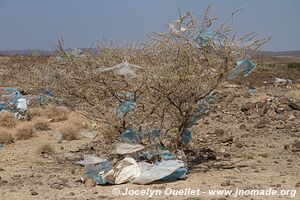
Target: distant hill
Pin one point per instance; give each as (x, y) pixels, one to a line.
(280, 57)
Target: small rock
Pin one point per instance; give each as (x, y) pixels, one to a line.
(239, 144)
(279, 110)
(295, 146)
(264, 155)
(225, 183)
(248, 106)
(88, 134)
(219, 132)
(34, 193)
(259, 126)
(294, 105)
(228, 139)
(297, 184)
(291, 117)
(59, 137)
(243, 127)
(89, 182)
(71, 194)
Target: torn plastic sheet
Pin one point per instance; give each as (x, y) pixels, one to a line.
(199, 111)
(124, 107)
(186, 136)
(155, 156)
(125, 148)
(91, 160)
(244, 67)
(123, 172)
(282, 81)
(130, 136)
(177, 174)
(40, 99)
(158, 171)
(176, 28)
(123, 68)
(96, 172)
(12, 100)
(204, 38)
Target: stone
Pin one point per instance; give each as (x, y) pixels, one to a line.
(225, 183)
(89, 182)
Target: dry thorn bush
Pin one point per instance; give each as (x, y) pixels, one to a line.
(25, 131)
(41, 124)
(7, 120)
(178, 69)
(69, 132)
(56, 114)
(5, 136)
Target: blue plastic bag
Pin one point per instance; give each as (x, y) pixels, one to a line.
(244, 67)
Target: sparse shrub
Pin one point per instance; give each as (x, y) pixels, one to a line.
(5, 137)
(7, 120)
(56, 114)
(178, 70)
(45, 149)
(69, 132)
(25, 131)
(293, 65)
(41, 124)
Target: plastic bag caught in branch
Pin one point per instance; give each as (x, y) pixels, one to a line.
(124, 68)
(244, 67)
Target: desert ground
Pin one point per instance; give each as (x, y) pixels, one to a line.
(247, 140)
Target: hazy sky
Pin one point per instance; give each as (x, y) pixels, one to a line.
(36, 24)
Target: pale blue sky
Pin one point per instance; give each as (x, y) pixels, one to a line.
(36, 24)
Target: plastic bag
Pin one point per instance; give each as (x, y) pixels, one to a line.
(123, 172)
(153, 172)
(244, 67)
(124, 148)
(123, 68)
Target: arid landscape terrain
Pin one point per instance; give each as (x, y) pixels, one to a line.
(247, 140)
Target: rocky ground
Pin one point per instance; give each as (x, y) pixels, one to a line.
(246, 141)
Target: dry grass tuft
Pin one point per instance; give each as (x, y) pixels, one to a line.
(7, 120)
(45, 149)
(56, 114)
(42, 124)
(5, 137)
(69, 132)
(25, 131)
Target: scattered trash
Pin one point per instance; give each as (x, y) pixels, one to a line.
(244, 67)
(13, 101)
(124, 107)
(60, 59)
(123, 172)
(281, 81)
(40, 99)
(186, 136)
(22, 105)
(175, 27)
(124, 68)
(153, 172)
(59, 137)
(88, 134)
(130, 136)
(91, 160)
(251, 90)
(204, 38)
(124, 148)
